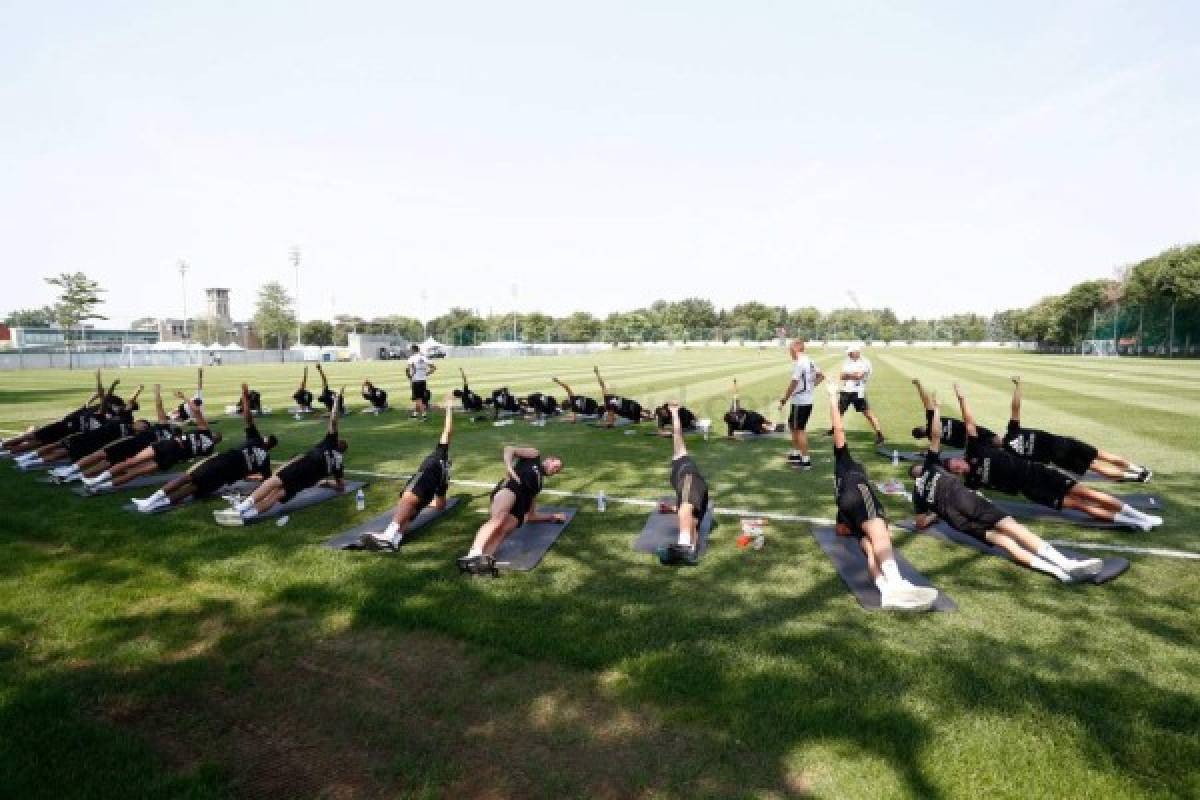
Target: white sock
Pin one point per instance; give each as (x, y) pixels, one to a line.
(881, 583)
(474, 551)
(392, 531)
(1056, 558)
(684, 539)
(249, 512)
(158, 496)
(1129, 515)
(103, 476)
(1041, 564)
(245, 505)
(891, 572)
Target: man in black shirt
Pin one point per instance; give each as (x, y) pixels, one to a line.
(114, 453)
(739, 419)
(327, 398)
(429, 485)
(664, 418)
(302, 396)
(251, 459)
(514, 502)
(322, 465)
(469, 399)
(375, 396)
(543, 405)
(577, 404)
(86, 417)
(861, 514)
(504, 400)
(162, 455)
(691, 496)
(953, 432)
(939, 493)
(95, 432)
(1064, 452)
(182, 414)
(984, 466)
(617, 406)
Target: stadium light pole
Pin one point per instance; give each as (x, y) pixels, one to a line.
(294, 255)
(183, 271)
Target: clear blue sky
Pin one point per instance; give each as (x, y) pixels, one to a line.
(952, 156)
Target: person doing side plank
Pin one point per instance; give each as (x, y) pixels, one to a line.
(691, 496)
(577, 404)
(939, 493)
(739, 419)
(469, 399)
(953, 431)
(103, 459)
(617, 406)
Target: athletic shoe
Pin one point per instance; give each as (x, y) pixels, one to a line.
(152, 505)
(480, 565)
(1144, 476)
(376, 542)
(1084, 568)
(676, 555)
(906, 597)
(805, 464)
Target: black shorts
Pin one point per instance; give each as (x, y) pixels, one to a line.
(220, 470)
(524, 501)
(690, 486)
(88, 442)
(54, 432)
(1048, 486)
(300, 474)
(798, 417)
(972, 514)
(1072, 455)
(125, 449)
(428, 482)
(418, 390)
(847, 399)
(303, 398)
(167, 454)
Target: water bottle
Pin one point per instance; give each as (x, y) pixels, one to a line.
(279, 523)
(360, 500)
(601, 502)
(895, 458)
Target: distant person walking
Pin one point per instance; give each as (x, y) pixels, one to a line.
(418, 370)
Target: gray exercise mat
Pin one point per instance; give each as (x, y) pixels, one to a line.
(942, 531)
(303, 499)
(778, 433)
(349, 540)
(155, 479)
(619, 422)
(663, 529)
(525, 547)
(851, 563)
(1031, 511)
(913, 456)
(243, 487)
(43, 466)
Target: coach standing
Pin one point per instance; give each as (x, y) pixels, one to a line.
(805, 377)
(856, 371)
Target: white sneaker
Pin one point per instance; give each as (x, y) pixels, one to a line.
(154, 504)
(909, 597)
(1085, 568)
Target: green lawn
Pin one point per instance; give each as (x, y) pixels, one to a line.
(167, 657)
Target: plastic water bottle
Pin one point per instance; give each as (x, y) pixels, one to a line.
(360, 500)
(279, 523)
(601, 502)
(895, 458)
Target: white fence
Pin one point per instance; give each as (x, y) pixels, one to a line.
(145, 358)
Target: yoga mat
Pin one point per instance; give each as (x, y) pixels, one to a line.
(373, 410)
(913, 456)
(307, 497)
(243, 487)
(620, 422)
(44, 466)
(348, 540)
(663, 529)
(941, 531)
(1142, 501)
(525, 547)
(232, 411)
(1028, 511)
(776, 434)
(851, 563)
(156, 479)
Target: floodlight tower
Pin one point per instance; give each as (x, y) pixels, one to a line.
(294, 256)
(183, 271)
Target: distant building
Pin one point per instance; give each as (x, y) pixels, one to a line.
(218, 305)
(170, 329)
(102, 340)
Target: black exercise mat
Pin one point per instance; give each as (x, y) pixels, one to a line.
(1142, 501)
(1030, 511)
(663, 529)
(525, 547)
(243, 488)
(349, 540)
(851, 563)
(305, 498)
(780, 432)
(913, 456)
(942, 531)
(155, 479)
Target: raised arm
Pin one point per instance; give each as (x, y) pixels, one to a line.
(193, 410)
(968, 417)
(304, 380)
(99, 385)
(925, 399)
(564, 386)
(338, 405)
(247, 415)
(324, 380)
(603, 385)
(200, 381)
(679, 446)
(137, 393)
(1016, 398)
(448, 425)
(835, 419)
(737, 406)
(158, 405)
(935, 426)
(464, 377)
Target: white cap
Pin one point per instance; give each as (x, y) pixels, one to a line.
(853, 347)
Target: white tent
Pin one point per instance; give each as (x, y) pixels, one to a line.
(432, 342)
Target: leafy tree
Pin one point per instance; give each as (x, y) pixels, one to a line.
(318, 332)
(30, 317)
(458, 326)
(274, 318)
(578, 327)
(398, 325)
(78, 299)
(536, 327)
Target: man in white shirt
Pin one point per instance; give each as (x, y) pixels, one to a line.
(805, 377)
(418, 370)
(856, 371)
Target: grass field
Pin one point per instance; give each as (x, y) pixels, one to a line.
(167, 657)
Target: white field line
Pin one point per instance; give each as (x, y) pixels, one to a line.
(1124, 548)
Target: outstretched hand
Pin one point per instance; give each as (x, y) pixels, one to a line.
(958, 392)
(1016, 380)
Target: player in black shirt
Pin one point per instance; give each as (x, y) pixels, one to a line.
(302, 396)
(86, 417)
(103, 459)
(691, 496)
(984, 466)
(469, 399)
(514, 502)
(664, 419)
(182, 413)
(322, 465)
(162, 455)
(1064, 452)
(504, 400)
(95, 432)
(953, 431)
(939, 493)
(253, 400)
(543, 405)
(617, 406)
(739, 419)
(861, 514)
(252, 459)
(375, 396)
(576, 404)
(327, 398)
(429, 485)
